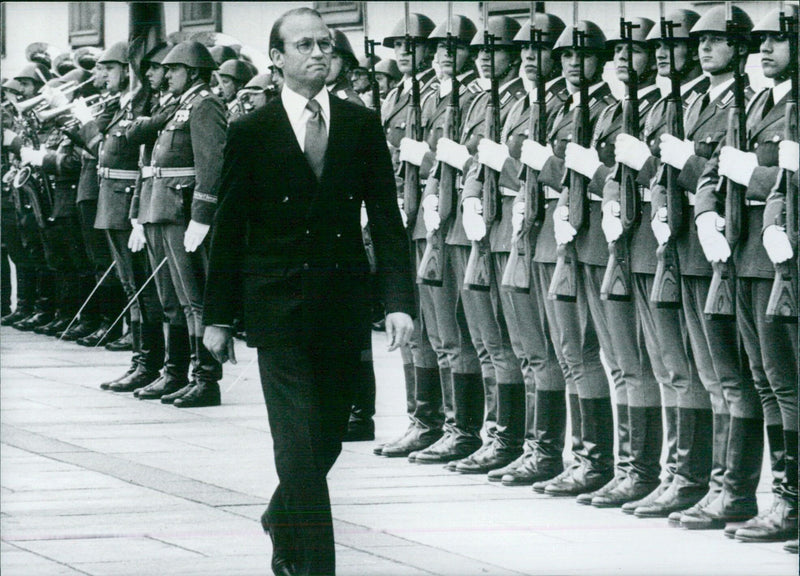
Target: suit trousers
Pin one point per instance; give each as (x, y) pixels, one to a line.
(308, 391)
(133, 270)
(173, 311)
(188, 273)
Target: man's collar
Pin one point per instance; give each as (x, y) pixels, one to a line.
(713, 93)
(192, 89)
(646, 90)
(295, 104)
(575, 97)
(685, 88)
(780, 90)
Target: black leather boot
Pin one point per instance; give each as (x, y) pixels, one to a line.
(448, 428)
(148, 346)
(428, 416)
(205, 391)
(671, 428)
(39, 318)
(176, 366)
(693, 452)
(464, 437)
(103, 333)
(410, 385)
(623, 458)
(577, 449)
(122, 344)
(84, 326)
(737, 500)
(58, 324)
(193, 362)
(22, 311)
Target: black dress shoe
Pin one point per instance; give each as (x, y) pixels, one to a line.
(201, 395)
(107, 385)
(15, 316)
(170, 398)
(281, 565)
(163, 386)
(418, 439)
(139, 378)
(79, 329)
(360, 430)
(100, 334)
(122, 344)
(53, 328)
(34, 321)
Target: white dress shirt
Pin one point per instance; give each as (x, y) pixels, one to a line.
(295, 106)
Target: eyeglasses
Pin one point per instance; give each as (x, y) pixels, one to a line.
(306, 45)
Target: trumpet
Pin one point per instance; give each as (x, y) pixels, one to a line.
(51, 113)
(97, 108)
(36, 101)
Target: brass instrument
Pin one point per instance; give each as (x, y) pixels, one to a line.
(97, 108)
(49, 114)
(34, 102)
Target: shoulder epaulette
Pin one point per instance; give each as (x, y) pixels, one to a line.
(757, 98)
(726, 99)
(689, 100)
(204, 93)
(474, 87)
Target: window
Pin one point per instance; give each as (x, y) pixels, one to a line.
(85, 24)
(340, 13)
(201, 16)
(520, 10)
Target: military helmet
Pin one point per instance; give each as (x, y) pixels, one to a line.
(86, 57)
(118, 53)
(37, 73)
(157, 54)
(549, 25)
(260, 82)
(715, 21)
(341, 45)
(222, 54)
(236, 69)
(642, 27)
(772, 21)
(12, 85)
(366, 63)
(389, 67)
(462, 29)
(683, 20)
(63, 63)
(503, 28)
(419, 28)
(595, 40)
(192, 54)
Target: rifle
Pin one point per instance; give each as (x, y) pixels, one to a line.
(666, 292)
(782, 304)
(616, 284)
(431, 266)
(721, 300)
(408, 172)
(369, 52)
(517, 274)
(479, 272)
(564, 285)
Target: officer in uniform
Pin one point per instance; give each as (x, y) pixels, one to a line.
(146, 234)
(580, 323)
(771, 345)
(686, 405)
(117, 168)
(504, 389)
(420, 368)
(443, 319)
(257, 92)
(639, 426)
(233, 75)
(531, 334)
(344, 60)
(737, 443)
(387, 74)
(187, 163)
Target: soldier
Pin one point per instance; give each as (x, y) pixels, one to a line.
(459, 371)
(638, 399)
(343, 61)
(531, 334)
(359, 76)
(258, 92)
(687, 408)
(737, 443)
(504, 390)
(144, 233)
(771, 345)
(579, 323)
(117, 168)
(187, 161)
(233, 75)
(420, 368)
(387, 74)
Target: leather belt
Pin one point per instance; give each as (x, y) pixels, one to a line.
(159, 172)
(508, 192)
(595, 197)
(147, 171)
(754, 203)
(551, 194)
(647, 195)
(691, 198)
(112, 174)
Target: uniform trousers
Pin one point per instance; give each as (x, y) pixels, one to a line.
(308, 392)
(173, 311)
(66, 256)
(109, 298)
(133, 270)
(543, 273)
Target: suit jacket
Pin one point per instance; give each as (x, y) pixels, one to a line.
(287, 249)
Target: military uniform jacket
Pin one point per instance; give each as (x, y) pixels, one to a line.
(194, 137)
(343, 90)
(287, 248)
(471, 133)
(552, 175)
(62, 163)
(764, 133)
(143, 132)
(707, 128)
(89, 183)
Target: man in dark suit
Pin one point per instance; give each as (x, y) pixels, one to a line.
(287, 253)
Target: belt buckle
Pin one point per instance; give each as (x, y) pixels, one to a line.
(156, 172)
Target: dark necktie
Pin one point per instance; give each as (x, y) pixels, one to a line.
(316, 139)
(768, 104)
(695, 112)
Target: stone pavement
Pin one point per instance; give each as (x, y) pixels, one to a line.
(99, 483)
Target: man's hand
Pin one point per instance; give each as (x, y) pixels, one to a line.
(709, 232)
(81, 111)
(413, 151)
(776, 243)
(8, 136)
(474, 226)
(31, 156)
(364, 216)
(452, 153)
(430, 212)
(492, 154)
(403, 216)
(660, 227)
(562, 229)
(399, 328)
(136, 240)
(675, 152)
(611, 223)
(534, 154)
(219, 341)
(582, 160)
(194, 236)
(517, 217)
(54, 97)
(737, 165)
(789, 155)
(631, 151)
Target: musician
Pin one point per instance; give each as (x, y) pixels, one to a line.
(233, 75)
(771, 345)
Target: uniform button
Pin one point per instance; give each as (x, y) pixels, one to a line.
(285, 198)
(336, 266)
(755, 145)
(338, 234)
(305, 266)
(602, 144)
(308, 232)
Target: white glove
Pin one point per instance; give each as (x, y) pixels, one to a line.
(81, 111)
(54, 97)
(631, 151)
(660, 227)
(8, 136)
(452, 153)
(364, 216)
(562, 229)
(776, 243)
(611, 223)
(403, 216)
(789, 155)
(517, 217)
(582, 160)
(136, 240)
(413, 151)
(194, 236)
(534, 154)
(737, 165)
(675, 152)
(709, 233)
(492, 154)
(430, 212)
(474, 226)
(30, 156)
